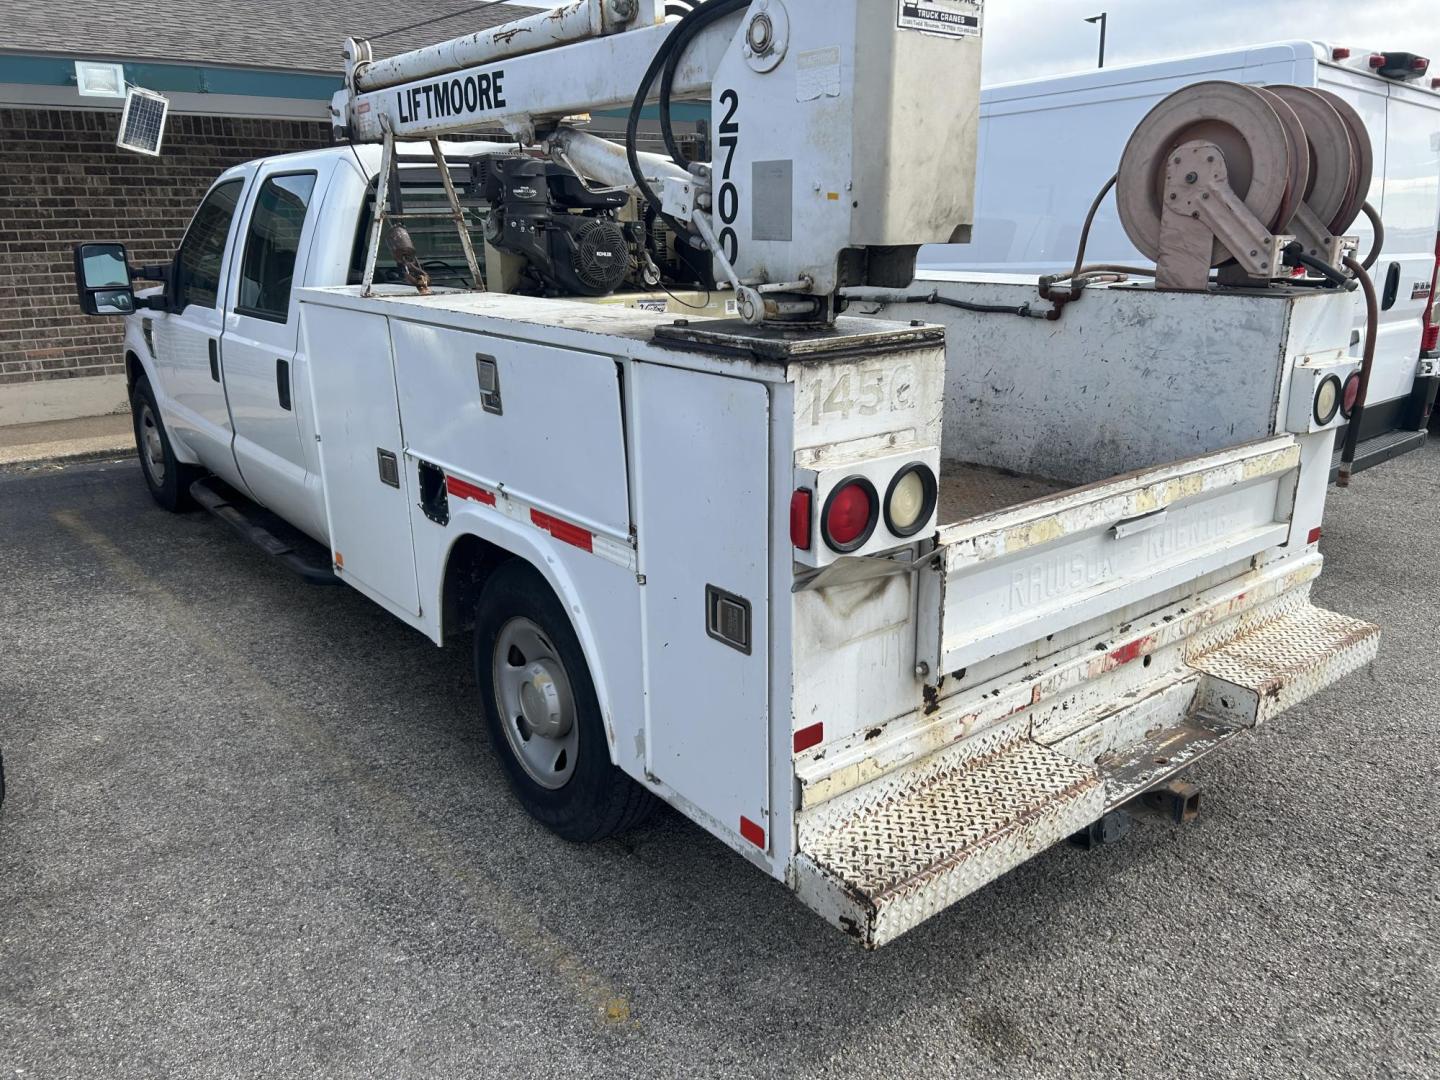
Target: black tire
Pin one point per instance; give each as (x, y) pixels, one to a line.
(168, 478)
(598, 799)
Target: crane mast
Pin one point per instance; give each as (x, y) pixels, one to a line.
(844, 131)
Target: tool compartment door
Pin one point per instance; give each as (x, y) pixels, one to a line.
(357, 420)
(703, 494)
(1003, 580)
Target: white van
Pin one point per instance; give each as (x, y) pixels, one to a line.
(1047, 145)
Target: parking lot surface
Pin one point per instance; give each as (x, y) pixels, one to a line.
(255, 828)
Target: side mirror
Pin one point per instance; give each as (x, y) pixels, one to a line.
(102, 279)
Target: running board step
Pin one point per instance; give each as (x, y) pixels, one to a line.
(282, 542)
(1251, 678)
(889, 863)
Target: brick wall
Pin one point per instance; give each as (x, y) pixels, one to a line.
(62, 180)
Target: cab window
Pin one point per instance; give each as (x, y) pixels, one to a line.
(197, 263)
(268, 269)
(436, 242)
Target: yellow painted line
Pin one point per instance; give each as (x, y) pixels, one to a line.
(503, 909)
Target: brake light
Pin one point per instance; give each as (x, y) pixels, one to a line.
(850, 514)
(1350, 394)
(800, 501)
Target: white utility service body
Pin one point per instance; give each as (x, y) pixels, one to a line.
(1030, 203)
(887, 742)
(1094, 591)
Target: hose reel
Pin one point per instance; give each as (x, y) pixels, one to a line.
(1220, 174)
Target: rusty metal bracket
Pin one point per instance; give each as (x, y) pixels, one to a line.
(1200, 208)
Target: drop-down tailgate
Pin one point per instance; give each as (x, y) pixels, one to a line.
(1003, 580)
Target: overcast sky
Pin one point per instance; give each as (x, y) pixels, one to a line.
(1028, 38)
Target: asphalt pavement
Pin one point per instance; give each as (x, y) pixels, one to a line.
(255, 828)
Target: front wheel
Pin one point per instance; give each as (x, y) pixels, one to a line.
(165, 475)
(543, 714)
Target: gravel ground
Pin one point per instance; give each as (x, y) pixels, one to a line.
(254, 828)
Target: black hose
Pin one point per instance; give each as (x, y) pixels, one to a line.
(884, 296)
(689, 24)
(686, 31)
(1337, 278)
(1367, 361)
(1379, 239)
(984, 309)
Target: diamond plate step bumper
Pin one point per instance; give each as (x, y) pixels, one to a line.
(1280, 663)
(886, 857)
(890, 863)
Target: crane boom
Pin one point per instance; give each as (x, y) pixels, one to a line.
(843, 132)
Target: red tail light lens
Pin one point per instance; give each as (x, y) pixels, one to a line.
(1430, 340)
(1350, 394)
(850, 514)
(800, 518)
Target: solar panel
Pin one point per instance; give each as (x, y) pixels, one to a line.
(142, 124)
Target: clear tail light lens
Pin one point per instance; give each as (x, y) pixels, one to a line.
(1327, 399)
(910, 499)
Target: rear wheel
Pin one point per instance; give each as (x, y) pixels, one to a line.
(543, 714)
(167, 478)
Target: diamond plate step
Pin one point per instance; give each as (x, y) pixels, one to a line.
(1252, 677)
(900, 858)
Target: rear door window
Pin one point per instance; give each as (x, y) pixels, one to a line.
(202, 252)
(267, 271)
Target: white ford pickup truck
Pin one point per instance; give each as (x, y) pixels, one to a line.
(885, 621)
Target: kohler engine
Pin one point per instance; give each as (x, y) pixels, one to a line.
(566, 232)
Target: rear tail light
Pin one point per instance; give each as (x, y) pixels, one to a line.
(910, 499)
(1327, 399)
(800, 518)
(850, 514)
(1350, 394)
(1399, 65)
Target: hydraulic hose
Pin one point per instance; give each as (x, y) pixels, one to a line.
(691, 23)
(1378, 243)
(904, 296)
(686, 31)
(1051, 279)
(1367, 361)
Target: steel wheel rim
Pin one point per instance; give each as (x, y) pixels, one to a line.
(152, 447)
(535, 703)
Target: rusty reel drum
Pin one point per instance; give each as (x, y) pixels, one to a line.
(1281, 148)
